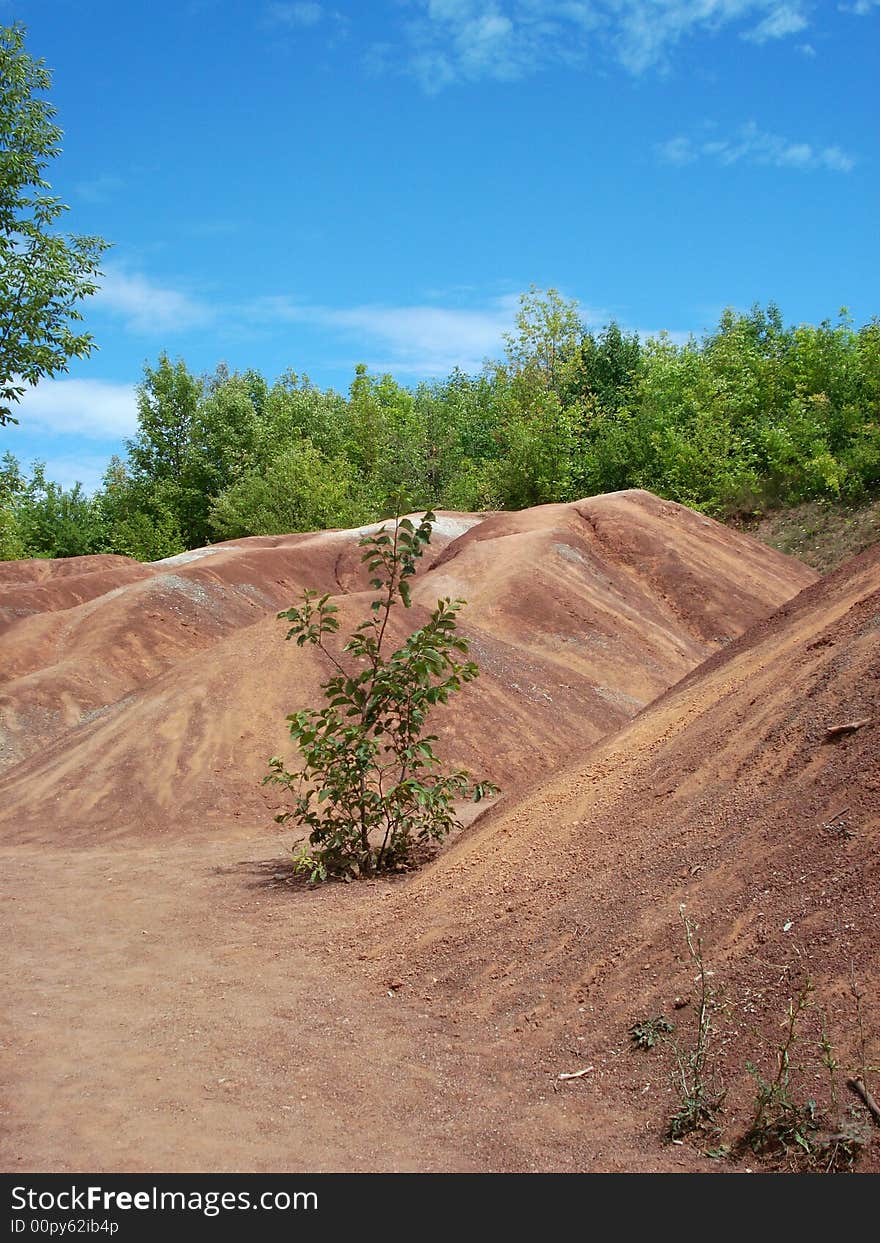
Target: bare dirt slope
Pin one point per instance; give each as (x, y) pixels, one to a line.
(555, 923)
(65, 657)
(29, 587)
(173, 1002)
(156, 707)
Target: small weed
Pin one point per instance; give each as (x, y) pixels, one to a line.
(797, 1130)
(780, 1124)
(701, 1098)
(784, 1127)
(309, 864)
(647, 1032)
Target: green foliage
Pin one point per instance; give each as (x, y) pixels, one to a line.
(371, 788)
(299, 490)
(547, 337)
(162, 455)
(12, 488)
(294, 409)
(755, 416)
(605, 369)
(645, 1033)
(43, 274)
(58, 522)
(139, 516)
(39, 518)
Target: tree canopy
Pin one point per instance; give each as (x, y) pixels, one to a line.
(44, 275)
(756, 414)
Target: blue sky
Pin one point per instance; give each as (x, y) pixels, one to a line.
(312, 185)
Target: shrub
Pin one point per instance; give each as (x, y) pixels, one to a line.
(371, 788)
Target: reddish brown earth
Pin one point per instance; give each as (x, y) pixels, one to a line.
(554, 924)
(157, 705)
(68, 658)
(174, 1003)
(29, 587)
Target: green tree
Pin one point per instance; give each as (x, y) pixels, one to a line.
(223, 446)
(12, 489)
(167, 400)
(607, 368)
(162, 452)
(296, 409)
(300, 490)
(548, 333)
(371, 788)
(139, 515)
(53, 521)
(44, 275)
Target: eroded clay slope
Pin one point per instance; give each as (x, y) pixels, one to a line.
(173, 694)
(38, 586)
(555, 920)
(80, 654)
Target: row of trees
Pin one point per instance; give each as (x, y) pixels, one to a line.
(755, 414)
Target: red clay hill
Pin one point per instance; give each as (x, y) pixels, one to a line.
(155, 705)
(750, 795)
(661, 699)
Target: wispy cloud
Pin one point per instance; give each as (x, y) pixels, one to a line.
(96, 409)
(861, 8)
(304, 13)
(752, 145)
(99, 189)
(147, 307)
(467, 40)
(786, 19)
(416, 340)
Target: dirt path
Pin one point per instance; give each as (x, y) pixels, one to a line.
(175, 1009)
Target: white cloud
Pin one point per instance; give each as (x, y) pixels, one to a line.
(466, 40)
(785, 20)
(418, 340)
(861, 8)
(99, 189)
(304, 13)
(752, 145)
(96, 409)
(147, 307)
(678, 150)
